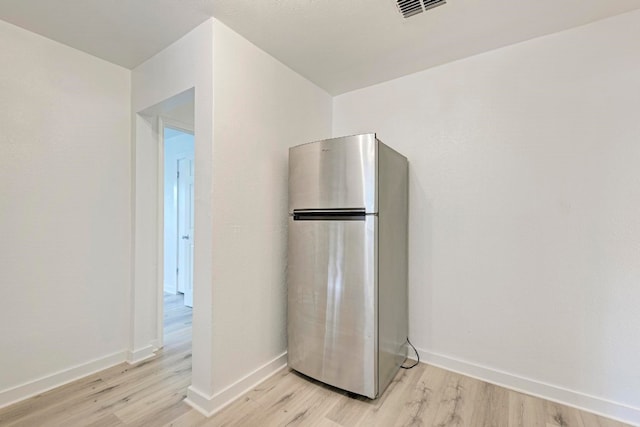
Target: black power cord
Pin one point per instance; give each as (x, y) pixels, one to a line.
(417, 357)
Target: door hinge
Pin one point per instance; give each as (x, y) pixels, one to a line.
(178, 174)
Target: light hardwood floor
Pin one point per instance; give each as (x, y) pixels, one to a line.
(151, 393)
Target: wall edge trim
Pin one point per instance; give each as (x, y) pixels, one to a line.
(208, 405)
(48, 382)
(144, 353)
(582, 401)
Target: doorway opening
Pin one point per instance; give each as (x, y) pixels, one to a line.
(165, 141)
(178, 232)
(178, 212)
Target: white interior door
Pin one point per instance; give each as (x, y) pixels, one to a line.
(185, 228)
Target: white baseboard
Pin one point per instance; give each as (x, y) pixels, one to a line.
(209, 405)
(48, 382)
(140, 354)
(576, 399)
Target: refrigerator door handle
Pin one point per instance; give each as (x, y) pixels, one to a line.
(357, 214)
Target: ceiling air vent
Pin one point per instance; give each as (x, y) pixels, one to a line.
(409, 8)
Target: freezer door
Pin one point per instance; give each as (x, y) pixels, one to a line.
(332, 300)
(333, 174)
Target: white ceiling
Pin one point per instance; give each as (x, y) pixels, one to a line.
(340, 45)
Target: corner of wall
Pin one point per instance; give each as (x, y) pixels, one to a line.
(57, 379)
(572, 398)
(210, 405)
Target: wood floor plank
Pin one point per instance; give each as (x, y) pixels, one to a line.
(163, 361)
(348, 410)
(562, 416)
(128, 394)
(459, 399)
(303, 400)
(421, 404)
(61, 413)
(492, 407)
(189, 419)
(166, 409)
(593, 420)
(305, 409)
(278, 387)
(109, 420)
(448, 411)
(172, 392)
(385, 410)
(56, 397)
(151, 393)
(236, 414)
(526, 411)
(325, 422)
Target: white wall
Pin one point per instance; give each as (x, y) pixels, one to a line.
(261, 108)
(172, 76)
(525, 211)
(175, 145)
(64, 221)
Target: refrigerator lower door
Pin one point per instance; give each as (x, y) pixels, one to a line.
(332, 302)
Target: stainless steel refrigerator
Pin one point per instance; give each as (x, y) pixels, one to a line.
(347, 262)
